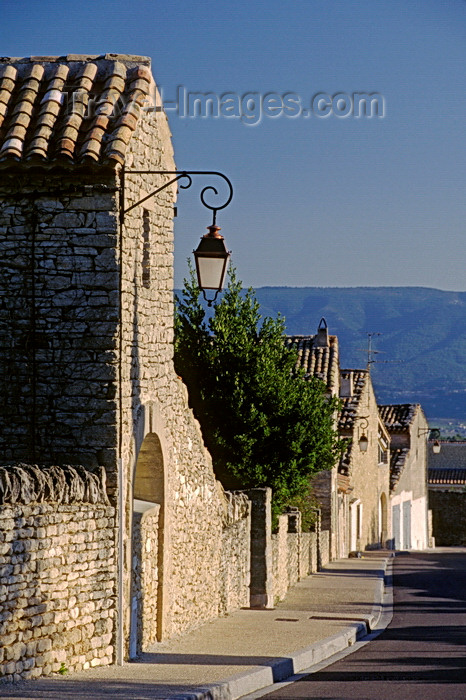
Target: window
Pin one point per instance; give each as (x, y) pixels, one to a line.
(383, 455)
(383, 448)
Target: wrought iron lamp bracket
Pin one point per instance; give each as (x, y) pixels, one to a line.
(433, 433)
(364, 425)
(180, 175)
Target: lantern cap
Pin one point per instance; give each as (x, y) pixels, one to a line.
(212, 243)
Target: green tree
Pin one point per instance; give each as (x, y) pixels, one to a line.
(263, 423)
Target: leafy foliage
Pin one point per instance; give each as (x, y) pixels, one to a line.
(263, 424)
(308, 505)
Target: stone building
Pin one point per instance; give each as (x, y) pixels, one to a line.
(353, 496)
(365, 463)
(318, 356)
(86, 349)
(408, 429)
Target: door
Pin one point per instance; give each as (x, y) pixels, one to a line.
(396, 527)
(407, 525)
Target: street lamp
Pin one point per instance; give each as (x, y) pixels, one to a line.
(364, 440)
(211, 255)
(434, 434)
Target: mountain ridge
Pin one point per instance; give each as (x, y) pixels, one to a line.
(421, 350)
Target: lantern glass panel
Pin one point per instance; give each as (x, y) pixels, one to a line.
(363, 443)
(211, 271)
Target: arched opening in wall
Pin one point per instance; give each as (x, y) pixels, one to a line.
(148, 528)
(383, 524)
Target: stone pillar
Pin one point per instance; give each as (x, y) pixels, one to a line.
(318, 530)
(294, 520)
(261, 585)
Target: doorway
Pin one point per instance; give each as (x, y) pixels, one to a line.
(147, 541)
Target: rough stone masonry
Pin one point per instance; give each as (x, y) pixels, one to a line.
(87, 377)
(114, 532)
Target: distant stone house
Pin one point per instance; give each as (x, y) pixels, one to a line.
(365, 465)
(408, 431)
(447, 493)
(353, 495)
(88, 383)
(318, 356)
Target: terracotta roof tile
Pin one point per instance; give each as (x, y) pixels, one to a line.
(317, 361)
(447, 476)
(351, 404)
(397, 462)
(344, 466)
(70, 109)
(398, 417)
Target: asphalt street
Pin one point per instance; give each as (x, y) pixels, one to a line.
(422, 653)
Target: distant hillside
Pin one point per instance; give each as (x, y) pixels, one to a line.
(422, 350)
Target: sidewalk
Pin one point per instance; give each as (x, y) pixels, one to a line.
(245, 651)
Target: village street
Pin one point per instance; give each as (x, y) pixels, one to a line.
(205, 492)
(421, 654)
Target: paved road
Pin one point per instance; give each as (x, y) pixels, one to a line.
(422, 653)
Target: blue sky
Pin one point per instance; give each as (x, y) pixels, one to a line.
(334, 201)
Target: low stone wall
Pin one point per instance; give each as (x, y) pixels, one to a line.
(324, 547)
(294, 546)
(280, 559)
(235, 558)
(57, 581)
(294, 553)
(308, 554)
(448, 518)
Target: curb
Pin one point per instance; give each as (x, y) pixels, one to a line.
(251, 681)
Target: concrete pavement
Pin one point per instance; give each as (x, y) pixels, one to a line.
(248, 650)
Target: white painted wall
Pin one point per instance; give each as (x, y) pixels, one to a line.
(419, 536)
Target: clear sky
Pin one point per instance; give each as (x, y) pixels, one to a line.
(318, 200)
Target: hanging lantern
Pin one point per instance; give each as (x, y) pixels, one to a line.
(212, 258)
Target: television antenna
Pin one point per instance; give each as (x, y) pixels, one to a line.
(371, 352)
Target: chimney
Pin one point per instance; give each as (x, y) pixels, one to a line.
(346, 385)
(321, 339)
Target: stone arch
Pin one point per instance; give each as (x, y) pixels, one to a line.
(383, 519)
(148, 546)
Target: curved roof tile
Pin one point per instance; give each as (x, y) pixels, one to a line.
(70, 109)
(398, 417)
(317, 361)
(350, 405)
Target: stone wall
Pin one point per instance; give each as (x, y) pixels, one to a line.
(324, 547)
(235, 561)
(448, 517)
(309, 554)
(324, 488)
(280, 559)
(86, 361)
(156, 420)
(294, 553)
(57, 587)
(58, 319)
